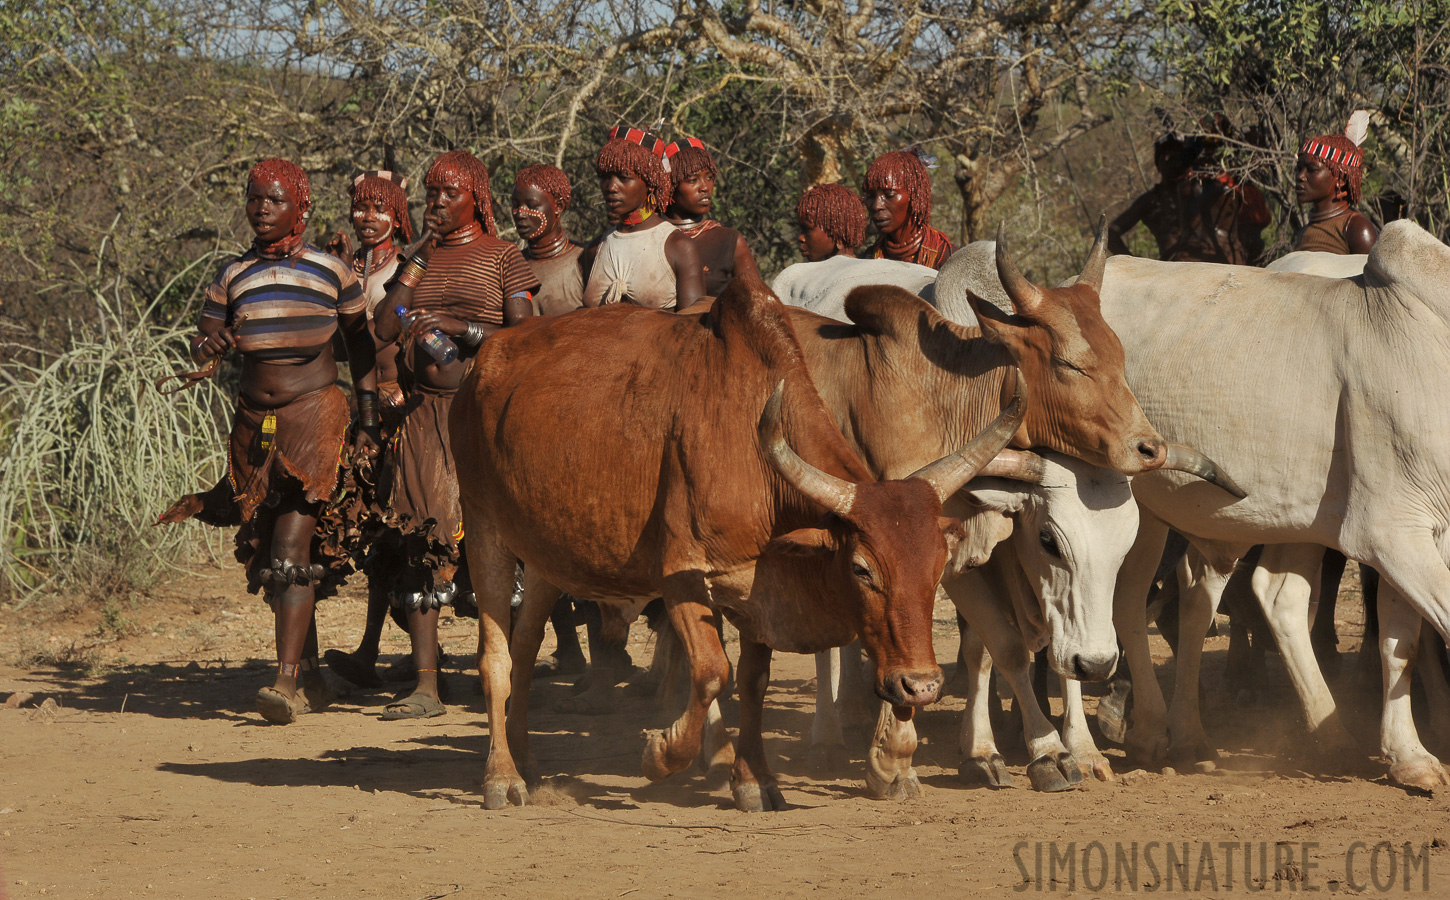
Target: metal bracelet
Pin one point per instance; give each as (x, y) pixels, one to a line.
(473, 336)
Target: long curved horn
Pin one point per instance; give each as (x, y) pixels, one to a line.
(949, 473)
(835, 494)
(1092, 270)
(1183, 458)
(1018, 465)
(1026, 296)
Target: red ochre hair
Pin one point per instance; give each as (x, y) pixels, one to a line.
(906, 172)
(388, 194)
(628, 159)
(1344, 158)
(835, 209)
(549, 179)
(689, 157)
(472, 176)
(291, 175)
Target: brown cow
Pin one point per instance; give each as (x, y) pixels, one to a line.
(905, 385)
(615, 452)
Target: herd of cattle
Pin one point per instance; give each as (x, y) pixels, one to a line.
(814, 471)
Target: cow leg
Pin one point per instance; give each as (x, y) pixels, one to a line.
(1411, 764)
(1437, 692)
(533, 613)
(492, 571)
(1052, 767)
(982, 763)
(1147, 735)
(1201, 587)
(1283, 582)
(687, 602)
(1414, 583)
(1322, 634)
(858, 701)
(1075, 734)
(751, 781)
(827, 757)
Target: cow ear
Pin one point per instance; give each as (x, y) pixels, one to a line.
(981, 495)
(997, 326)
(803, 542)
(952, 530)
(970, 543)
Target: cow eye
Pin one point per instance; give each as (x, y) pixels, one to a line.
(1049, 543)
(860, 571)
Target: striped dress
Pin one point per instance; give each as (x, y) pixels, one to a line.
(291, 304)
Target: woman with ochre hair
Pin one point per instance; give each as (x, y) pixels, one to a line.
(693, 177)
(380, 221)
(541, 195)
(642, 259)
(897, 189)
(832, 222)
(279, 305)
(466, 284)
(1328, 176)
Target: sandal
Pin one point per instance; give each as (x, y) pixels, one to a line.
(277, 708)
(414, 706)
(317, 698)
(352, 669)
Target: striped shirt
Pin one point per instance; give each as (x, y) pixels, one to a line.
(470, 281)
(291, 304)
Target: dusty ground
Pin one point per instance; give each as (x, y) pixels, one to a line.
(153, 776)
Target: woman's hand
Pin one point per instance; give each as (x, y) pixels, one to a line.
(367, 442)
(391, 394)
(340, 246)
(425, 321)
(422, 249)
(218, 343)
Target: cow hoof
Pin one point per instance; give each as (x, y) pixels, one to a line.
(1193, 756)
(1096, 767)
(1113, 712)
(499, 793)
(656, 760)
(756, 797)
(905, 787)
(988, 771)
(1148, 752)
(1053, 773)
(1425, 774)
(828, 760)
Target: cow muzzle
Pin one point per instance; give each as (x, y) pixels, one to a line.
(1087, 667)
(910, 688)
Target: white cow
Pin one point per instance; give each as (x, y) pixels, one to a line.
(822, 286)
(1324, 397)
(1071, 522)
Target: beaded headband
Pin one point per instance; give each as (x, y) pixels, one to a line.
(638, 136)
(676, 146)
(394, 177)
(1341, 156)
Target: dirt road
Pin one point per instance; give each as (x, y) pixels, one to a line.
(152, 776)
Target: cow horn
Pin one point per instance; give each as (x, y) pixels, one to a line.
(949, 473)
(1026, 296)
(1092, 270)
(1018, 465)
(835, 494)
(1183, 458)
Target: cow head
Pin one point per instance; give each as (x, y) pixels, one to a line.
(1074, 524)
(886, 544)
(1074, 366)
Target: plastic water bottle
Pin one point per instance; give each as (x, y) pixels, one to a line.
(439, 345)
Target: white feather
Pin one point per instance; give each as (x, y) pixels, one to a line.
(1358, 126)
